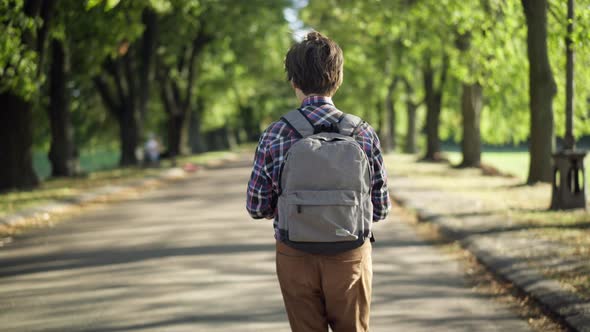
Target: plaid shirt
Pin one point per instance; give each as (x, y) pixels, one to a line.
(276, 140)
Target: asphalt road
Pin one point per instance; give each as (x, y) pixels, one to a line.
(186, 257)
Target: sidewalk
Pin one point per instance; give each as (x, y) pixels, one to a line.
(471, 209)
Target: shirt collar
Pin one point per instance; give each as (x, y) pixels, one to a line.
(313, 100)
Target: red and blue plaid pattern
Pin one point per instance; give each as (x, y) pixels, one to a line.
(263, 187)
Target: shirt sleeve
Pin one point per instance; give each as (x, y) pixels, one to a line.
(379, 191)
(261, 200)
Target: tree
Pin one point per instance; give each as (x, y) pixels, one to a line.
(258, 87)
(124, 81)
(433, 94)
(177, 66)
(177, 102)
(483, 33)
(411, 120)
(390, 140)
(239, 75)
(373, 52)
(25, 26)
(557, 33)
(542, 88)
(63, 153)
(471, 105)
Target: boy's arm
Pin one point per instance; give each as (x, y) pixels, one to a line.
(260, 196)
(379, 191)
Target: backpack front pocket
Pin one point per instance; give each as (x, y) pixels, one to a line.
(323, 216)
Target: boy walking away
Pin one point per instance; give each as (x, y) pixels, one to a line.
(319, 173)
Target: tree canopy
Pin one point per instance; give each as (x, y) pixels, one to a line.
(205, 74)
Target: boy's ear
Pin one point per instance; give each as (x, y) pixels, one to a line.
(293, 85)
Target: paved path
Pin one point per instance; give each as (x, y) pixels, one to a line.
(188, 258)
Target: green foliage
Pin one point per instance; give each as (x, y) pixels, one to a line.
(105, 33)
(108, 4)
(18, 58)
(359, 29)
(242, 65)
(557, 18)
(485, 41)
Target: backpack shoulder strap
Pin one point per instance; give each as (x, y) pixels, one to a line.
(348, 124)
(299, 122)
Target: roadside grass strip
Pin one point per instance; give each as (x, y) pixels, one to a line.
(504, 207)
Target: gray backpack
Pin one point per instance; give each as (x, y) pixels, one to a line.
(324, 203)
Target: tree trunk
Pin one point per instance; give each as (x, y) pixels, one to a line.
(178, 98)
(195, 134)
(471, 104)
(196, 139)
(225, 134)
(410, 146)
(184, 101)
(432, 133)
(230, 137)
(175, 125)
(16, 132)
(250, 123)
(391, 120)
(390, 136)
(218, 139)
(119, 98)
(146, 64)
(542, 88)
(237, 136)
(128, 133)
(175, 117)
(46, 14)
(380, 125)
(62, 153)
(411, 108)
(433, 100)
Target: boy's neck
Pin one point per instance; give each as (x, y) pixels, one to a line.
(301, 96)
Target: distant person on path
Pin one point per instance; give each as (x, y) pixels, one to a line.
(152, 151)
(319, 173)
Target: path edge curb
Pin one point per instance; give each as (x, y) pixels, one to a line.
(565, 306)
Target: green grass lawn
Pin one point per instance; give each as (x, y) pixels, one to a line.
(513, 161)
(90, 161)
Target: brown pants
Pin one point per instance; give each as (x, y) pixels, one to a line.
(322, 290)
